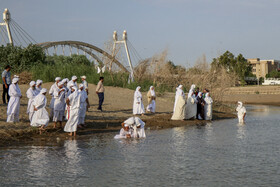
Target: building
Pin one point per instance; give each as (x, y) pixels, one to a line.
(261, 68)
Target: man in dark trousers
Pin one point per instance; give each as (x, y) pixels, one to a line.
(6, 79)
(100, 92)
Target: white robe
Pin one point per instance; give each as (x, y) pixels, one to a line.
(138, 107)
(122, 134)
(179, 92)
(59, 105)
(67, 108)
(70, 83)
(83, 108)
(133, 122)
(31, 94)
(41, 116)
(191, 108)
(152, 106)
(241, 110)
(14, 103)
(180, 108)
(208, 108)
(75, 103)
(54, 88)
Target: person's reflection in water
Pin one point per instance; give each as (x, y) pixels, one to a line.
(241, 131)
(209, 131)
(72, 153)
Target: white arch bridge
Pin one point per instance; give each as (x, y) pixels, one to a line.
(85, 47)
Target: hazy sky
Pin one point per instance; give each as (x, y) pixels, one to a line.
(187, 28)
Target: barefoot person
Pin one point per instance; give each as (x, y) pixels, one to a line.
(74, 102)
(41, 116)
(100, 92)
(84, 105)
(31, 94)
(241, 112)
(14, 102)
(151, 95)
(59, 104)
(138, 107)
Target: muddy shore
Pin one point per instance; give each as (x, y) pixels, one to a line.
(117, 108)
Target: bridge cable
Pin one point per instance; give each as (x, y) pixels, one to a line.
(16, 37)
(34, 41)
(17, 30)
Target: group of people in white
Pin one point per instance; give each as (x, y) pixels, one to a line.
(69, 102)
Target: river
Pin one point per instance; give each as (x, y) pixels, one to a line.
(221, 153)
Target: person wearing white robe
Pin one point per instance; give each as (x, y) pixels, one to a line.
(14, 102)
(67, 108)
(73, 81)
(151, 100)
(41, 116)
(31, 94)
(138, 107)
(241, 112)
(74, 101)
(59, 104)
(125, 132)
(38, 86)
(54, 88)
(140, 128)
(84, 104)
(180, 105)
(208, 107)
(191, 107)
(179, 92)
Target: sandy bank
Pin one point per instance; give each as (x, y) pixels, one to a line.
(117, 108)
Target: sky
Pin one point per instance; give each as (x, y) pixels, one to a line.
(188, 29)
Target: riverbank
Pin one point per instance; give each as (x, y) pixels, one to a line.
(117, 107)
(266, 95)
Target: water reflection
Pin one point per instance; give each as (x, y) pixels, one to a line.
(72, 153)
(241, 131)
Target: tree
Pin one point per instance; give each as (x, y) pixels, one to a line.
(238, 65)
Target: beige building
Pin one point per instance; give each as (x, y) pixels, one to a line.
(262, 67)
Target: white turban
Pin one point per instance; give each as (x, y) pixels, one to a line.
(39, 82)
(74, 78)
(81, 86)
(44, 90)
(180, 86)
(74, 88)
(126, 125)
(240, 103)
(16, 76)
(83, 77)
(15, 80)
(32, 83)
(57, 79)
(60, 83)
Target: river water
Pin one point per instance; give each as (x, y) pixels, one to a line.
(221, 153)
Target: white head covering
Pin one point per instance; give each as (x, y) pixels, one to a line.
(152, 91)
(199, 94)
(16, 76)
(138, 88)
(240, 103)
(57, 79)
(60, 83)
(32, 83)
(39, 82)
(74, 88)
(74, 78)
(191, 91)
(67, 80)
(71, 85)
(207, 94)
(15, 80)
(126, 125)
(81, 86)
(83, 77)
(44, 90)
(180, 86)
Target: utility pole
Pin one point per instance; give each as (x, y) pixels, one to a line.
(123, 41)
(7, 19)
